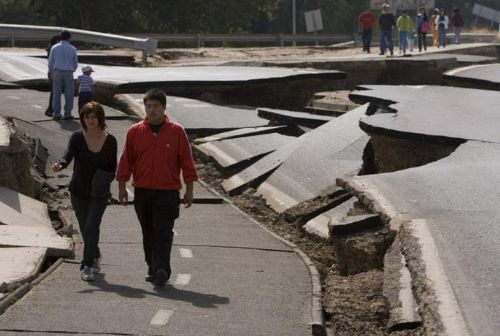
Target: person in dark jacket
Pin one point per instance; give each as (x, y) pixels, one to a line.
(53, 40)
(423, 27)
(386, 21)
(457, 22)
(94, 151)
(156, 151)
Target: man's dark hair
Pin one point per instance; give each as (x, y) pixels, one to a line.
(65, 35)
(96, 108)
(156, 94)
(54, 39)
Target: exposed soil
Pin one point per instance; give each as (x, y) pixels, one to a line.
(354, 304)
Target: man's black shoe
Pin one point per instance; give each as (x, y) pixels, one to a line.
(48, 113)
(161, 276)
(149, 278)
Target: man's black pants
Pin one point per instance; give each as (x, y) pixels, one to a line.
(157, 211)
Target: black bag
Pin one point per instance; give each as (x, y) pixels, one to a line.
(101, 183)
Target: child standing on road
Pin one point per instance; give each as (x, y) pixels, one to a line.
(86, 82)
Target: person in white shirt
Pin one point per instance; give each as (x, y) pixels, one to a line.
(442, 21)
(85, 92)
(63, 62)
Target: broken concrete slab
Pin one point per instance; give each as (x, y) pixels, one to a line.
(202, 118)
(254, 86)
(240, 152)
(295, 183)
(25, 222)
(464, 232)
(470, 115)
(464, 60)
(6, 85)
(20, 264)
(475, 76)
(293, 117)
(332, 103)
(242, 132)
(318, 226)
(353, 224)
(320, 157)
(403, 308)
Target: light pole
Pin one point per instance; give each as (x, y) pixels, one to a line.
(294, 23)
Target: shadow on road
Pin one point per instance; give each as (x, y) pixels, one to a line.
(168, 292)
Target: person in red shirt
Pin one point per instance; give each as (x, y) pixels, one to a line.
(366, 21)
(156, 151)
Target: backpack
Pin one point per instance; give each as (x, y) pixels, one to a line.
(425, 27)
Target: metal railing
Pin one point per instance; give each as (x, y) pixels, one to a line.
(279, 39)
(148, 42)
(20, 32)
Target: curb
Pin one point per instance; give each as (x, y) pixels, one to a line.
(18, 294)
(317, 317)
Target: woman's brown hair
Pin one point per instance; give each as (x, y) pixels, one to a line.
(96, 108)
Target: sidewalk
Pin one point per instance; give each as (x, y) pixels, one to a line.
(230, 277)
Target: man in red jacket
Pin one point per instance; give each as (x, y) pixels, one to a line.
(156, 151)
(366, 21)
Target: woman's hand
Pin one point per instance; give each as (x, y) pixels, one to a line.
(56, 167)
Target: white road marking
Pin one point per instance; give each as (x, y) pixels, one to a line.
(14, 97)
(161, 317)
(186, 253)
(182, 279)
(37, 106)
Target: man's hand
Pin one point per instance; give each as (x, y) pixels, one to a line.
(188, 196)
(122, 193)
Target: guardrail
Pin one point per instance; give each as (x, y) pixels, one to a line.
(20, 32)
(148, 42)
(280, 39)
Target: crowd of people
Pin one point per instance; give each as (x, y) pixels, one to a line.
(407, 28)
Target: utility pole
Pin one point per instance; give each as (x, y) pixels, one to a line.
(294, 23)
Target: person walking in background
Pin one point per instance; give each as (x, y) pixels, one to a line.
(63, 61)
(405, 27)
(85, 86)
(94, 151)
(411, 39)
(422, 28)
(386, 21)
(442, 22)
(54, 40)
(434, 29)
(457, 23)
(366, 21)
(156, 151)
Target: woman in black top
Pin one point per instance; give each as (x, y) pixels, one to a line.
(94, 152)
